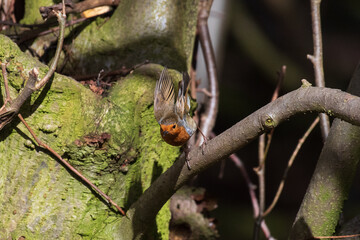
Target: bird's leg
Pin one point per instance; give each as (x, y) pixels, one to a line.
(186, 151)
(204, 141)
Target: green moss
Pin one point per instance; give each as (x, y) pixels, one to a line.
(162, 222)
(163, 34)
(46, 196)
(324, 194)
(32, 14)
(155, 156)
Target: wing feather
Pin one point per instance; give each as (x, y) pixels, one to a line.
(164, 98)
(183, 99)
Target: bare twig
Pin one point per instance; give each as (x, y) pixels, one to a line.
(211, 107)
(317, 61)
(281, 77)
(291, 160)
(79, 7)
(193, 83)
(337, 237)
(62, 20)
(121, 72)
(7, 114)
(6, 84)
(10, 23)
(28, 35)
(260, 171)
(68, 165)
(204, 91)
(251, 187)
(32, 80)
(262, 152)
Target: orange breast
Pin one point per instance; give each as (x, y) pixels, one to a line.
(175, 137)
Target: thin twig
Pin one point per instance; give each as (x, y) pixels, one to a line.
(204, 91)
(41, 144)
(72, 169)
(211, 107)
(121, 72)
(260, 171)
(193, 86)
(251, 187)
(62, 20)
(79, 7)
(6, 84)
(317, 61)
(281, 77)
(30, 35)
(10, 23)
(291, 161)
(337, 237)
(262, 153)
(7, 114)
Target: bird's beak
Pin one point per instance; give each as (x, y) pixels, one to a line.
(165, 132)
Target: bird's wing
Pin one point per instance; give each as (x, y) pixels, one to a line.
(183, 98)
(164, 98)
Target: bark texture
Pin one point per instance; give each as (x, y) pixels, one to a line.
(329, 187)
(155, 30)
(40, 198)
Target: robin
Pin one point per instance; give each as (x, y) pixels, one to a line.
(172, 111)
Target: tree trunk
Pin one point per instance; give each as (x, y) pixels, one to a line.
(329, 187)
(40, 198)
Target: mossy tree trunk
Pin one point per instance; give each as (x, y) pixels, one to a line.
(40, 198)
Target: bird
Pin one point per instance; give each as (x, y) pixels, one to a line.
(172, 111)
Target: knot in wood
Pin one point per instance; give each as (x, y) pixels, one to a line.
(268, 122)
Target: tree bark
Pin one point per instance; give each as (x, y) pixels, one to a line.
(329, 187)
(40, 198)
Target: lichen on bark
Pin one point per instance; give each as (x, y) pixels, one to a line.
(40, 198)
(43, 200)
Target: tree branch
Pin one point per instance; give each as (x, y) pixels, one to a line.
(79, 7)
(305, 99)
(209, 116)
(317, 61)
(290, 162)
(7, 114)
(329, 187)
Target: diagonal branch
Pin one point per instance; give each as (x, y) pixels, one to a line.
(305, 99)
(68, 165)
(291, 161)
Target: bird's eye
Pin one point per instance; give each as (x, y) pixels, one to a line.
(174, 126)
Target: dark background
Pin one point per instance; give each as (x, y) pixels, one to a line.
(247, 83)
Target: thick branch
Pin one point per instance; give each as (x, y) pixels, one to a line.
(306, 99)
(329, 187)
